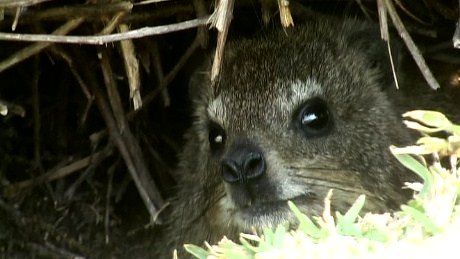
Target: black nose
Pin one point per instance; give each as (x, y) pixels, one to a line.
(242, 164)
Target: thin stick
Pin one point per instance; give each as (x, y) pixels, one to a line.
(285, 13)
(112, 92)
(99, 12)
(121, 146)
(410, 14)
(107, 203)
(146, 2)
(163, 84)
(20, 3)
(37, 47)
(172, 74)
(201, 11)
(125, 141)
(103, 39)
(416, 54)
(83, 86)
(446, 11)
(131, 68)
(158, 69)
(111, 26)
(36, 112)
(58, 173)
(364, 9)
(456, 37)
(66, 12)
(11, 108)
(221, 19)
(16, 18)
(383, 21)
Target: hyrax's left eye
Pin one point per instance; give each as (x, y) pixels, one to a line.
(314, 117)
(216, 137)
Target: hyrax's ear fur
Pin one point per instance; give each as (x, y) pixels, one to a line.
(200, 87)
(368, 41)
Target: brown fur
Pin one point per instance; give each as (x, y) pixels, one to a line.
(263, 83)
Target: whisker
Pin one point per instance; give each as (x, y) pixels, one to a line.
(304, 168)
(328, 180)
(337, 185)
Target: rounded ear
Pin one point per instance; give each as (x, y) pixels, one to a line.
(375, 49)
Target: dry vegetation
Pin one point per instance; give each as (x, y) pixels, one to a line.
(90, 125)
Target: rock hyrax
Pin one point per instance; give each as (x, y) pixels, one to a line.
(292, 115)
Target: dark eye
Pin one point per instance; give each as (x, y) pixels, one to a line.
(315, 118)
(217, 137)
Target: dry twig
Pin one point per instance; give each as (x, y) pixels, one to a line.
(415, 52)
(445, 11)
(201, 11)
(285, 13)
(124, 140)
(89, 11)
(456, 37)
(221, 19)
(103, 39)
(108, 194)
(20, 3)
(58, 173)
(163, 84)
(173, 73)
(132, 68)
(383, 21)
(10, 108)
(156, 55)
(409, 13)
(35, 48)
(36, 113)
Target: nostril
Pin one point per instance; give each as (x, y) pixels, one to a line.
(254, 166)
(244, 162)
(231, 171)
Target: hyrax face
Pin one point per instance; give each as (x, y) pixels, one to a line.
(292, 116)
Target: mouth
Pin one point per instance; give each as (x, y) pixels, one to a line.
(268, 207)
(260, 215)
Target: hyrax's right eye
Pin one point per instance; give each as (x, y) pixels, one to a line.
(314, 118)
(217, 137)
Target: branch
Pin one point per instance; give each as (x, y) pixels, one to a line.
(221, 19)
(415, 52)
(103, 39)
(456, 37)
(20, 3)
(39, 46)
(59, 173)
